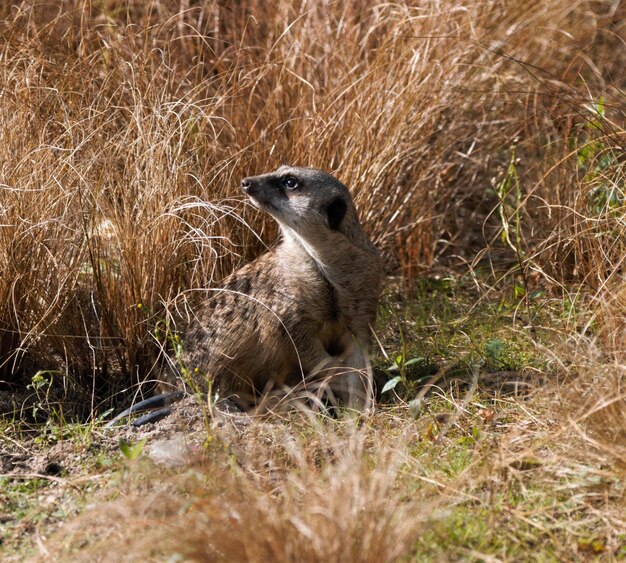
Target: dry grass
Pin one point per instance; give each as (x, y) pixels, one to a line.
(510, 483)
(125, 127)
(313, 500)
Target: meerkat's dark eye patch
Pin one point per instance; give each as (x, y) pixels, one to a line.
(336, 211)
(291, 183)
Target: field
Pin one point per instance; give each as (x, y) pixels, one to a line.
(483, 142)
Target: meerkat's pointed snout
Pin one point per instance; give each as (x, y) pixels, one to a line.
(246, 184)
(256, 188)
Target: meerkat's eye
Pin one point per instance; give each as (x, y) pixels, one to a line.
(291, 183)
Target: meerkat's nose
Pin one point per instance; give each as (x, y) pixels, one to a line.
(246, 184)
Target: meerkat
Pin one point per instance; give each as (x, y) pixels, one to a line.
(299, 316)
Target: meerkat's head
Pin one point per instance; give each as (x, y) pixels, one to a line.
(306, 200)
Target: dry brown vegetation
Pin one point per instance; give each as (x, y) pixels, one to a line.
(472, 133)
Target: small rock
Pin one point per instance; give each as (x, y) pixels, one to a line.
(415, 408)
(174, 452)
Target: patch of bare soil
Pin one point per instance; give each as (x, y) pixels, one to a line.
(50, 472)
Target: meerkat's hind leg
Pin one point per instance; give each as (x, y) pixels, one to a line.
(354, 383)
(335, 390)
(309, 397)
(346, 379)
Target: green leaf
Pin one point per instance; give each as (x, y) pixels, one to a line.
(391, 384)
(132, 451)
(104, 415)
(414, 361)
(494, 349)
(536, 294)
(598, 108)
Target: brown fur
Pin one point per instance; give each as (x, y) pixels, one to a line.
(300, 315)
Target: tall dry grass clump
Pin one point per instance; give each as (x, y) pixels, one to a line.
(126, 126)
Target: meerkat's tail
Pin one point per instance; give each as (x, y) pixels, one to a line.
(159, 405)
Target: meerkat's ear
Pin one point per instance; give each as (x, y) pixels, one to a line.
(336, 211)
